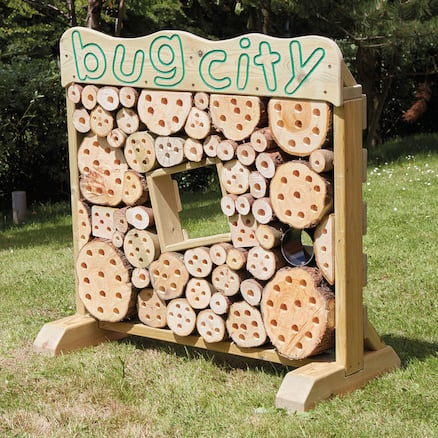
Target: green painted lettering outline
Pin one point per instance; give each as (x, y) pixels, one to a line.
(74, 33)
(261, 64)
(302, 65)
(162, 81)
(222, 59)
(119, 59)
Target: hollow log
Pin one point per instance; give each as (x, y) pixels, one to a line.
(120, 222)
(81, 120)
(220, 303)
(134, 188)
(169, 275)
(269, 235)
(83, 223)
(252, 291)
(235, 116)
(262, 263)
(235, 177)
(101, 121)
(141, 247)
(226, 280)
(169, 151)
(181, 318)
(267, 162)
(140, 278)
(127, 120)
(321, 160)
(89, 97)
(108, 97)
(242, 229)
(201, 100)
(140, 217)
(164, 112)
(299, 196)
(193, 150)
(117, 239)
(140, 152)
(116, 138)
(244, 203)
(261, 140)
(128, 97)
(104, 285)
(299, 127)
(236, 258)
(198, 293)
(74, 92)
(258, 187)
(246, 154)
(210, 145)
(226, 150)
(211, 326)
(198, 262)
(152, 310)
(245, 325)
(102, 221)
(228, 204)
(198, 124)
(299, 312)
(218, 253)
(262, 210)
(324, 244)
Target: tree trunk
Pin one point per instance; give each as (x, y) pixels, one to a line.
(93, 14)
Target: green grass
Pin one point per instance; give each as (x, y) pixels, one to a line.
(137, 387)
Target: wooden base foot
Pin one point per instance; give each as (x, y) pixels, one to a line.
(71, 333)
(302, 388)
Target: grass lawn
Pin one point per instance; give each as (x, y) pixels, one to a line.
(137, 387)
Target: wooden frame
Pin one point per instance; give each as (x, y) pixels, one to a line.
(306, 68)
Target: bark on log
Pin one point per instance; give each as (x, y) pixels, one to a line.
(120, 221)
(252, 291)
(181, 318)
(152, 311)
(220, 303)
(198, 262)
(218, 253)
(89, 97)
(193, 150)
(108, 97)
(235, 177)
(102, 221)
(246, 154)
(116, 138)
(244, 203)
(245, 325)
(211, 326)
(235, 116)
(164, 112)
(226, 280)
(140, 278)
(262, 210)
(101, 121)
(299, 127)
(128, 97)
(84, 223)
(210, 145)
(267, 162)
(228, 204)
(104, 285)
(141, 247)
(201, 100)
(169, 151)
(140, 152)
(258, 187)
(198, 124)
(261, 140)
(299, 312)
(169, 275)
(74, 92)
(236, 258)
(299, 196)
(324, 244)
(81, 120)
(321, 160)
(198, 293)
(134, 188)
(127, 120)
(242, 229)
(226, 150)
(264, 263)
(140, 217)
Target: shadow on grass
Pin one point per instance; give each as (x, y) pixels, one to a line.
(397, 148)
(408, 349)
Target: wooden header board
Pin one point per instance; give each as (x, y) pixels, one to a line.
(254, 64)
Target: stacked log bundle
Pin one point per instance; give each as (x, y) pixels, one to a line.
(276, 165)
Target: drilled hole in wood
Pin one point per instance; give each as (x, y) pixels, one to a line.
(280, 123)
(101, 274)
(298, 124)
(86, 280)
(297, 303)
(274, 322)
(280, 338)
(312, 300)
(314, 207)
(88, 296)
(270, 303)
(300, 214)
(100, 309)
(316, 112)
(288, 213)
(102, 293)
(283, 306)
